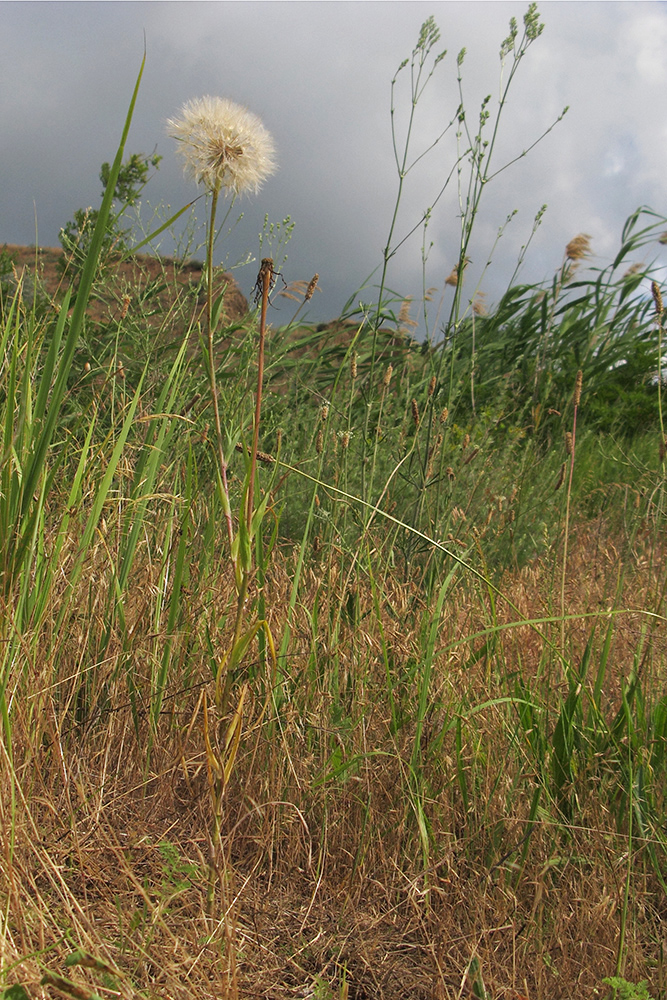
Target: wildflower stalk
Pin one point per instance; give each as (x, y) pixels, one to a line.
(224, 146)
(210, 330)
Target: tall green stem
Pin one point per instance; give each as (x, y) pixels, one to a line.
(210, 325)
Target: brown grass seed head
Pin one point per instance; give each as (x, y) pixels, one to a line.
(577, 387)
(431, 386)
(415, 412)
(387, 376)
(353, 365)
(579, 247)
(311, 287)
(568, 442)
(657, 297)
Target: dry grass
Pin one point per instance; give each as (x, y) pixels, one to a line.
(324, 881)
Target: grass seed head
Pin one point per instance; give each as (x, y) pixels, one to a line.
(657, 297)
(223, 145)
(405, 321)
(577, 387)
(415, 412)
(431, 386)
(353, 366)
(579, 247)
(561, 478)
(319, 441)
(387, 376)
(568, 442)
(312, 285)
(479, 305)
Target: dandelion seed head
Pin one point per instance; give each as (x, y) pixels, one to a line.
(223, 145)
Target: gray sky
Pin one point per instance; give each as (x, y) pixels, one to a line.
(318, 74)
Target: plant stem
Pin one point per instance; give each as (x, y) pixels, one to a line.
(264, 281)
(211, 364)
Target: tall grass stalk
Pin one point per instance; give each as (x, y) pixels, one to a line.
(571, 447)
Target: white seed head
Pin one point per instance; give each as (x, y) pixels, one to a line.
(223, 145)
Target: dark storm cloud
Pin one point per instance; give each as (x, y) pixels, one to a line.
(318, 75)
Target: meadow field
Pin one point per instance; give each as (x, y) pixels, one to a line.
(332, 659)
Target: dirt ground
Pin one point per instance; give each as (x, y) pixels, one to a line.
(160, 279)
